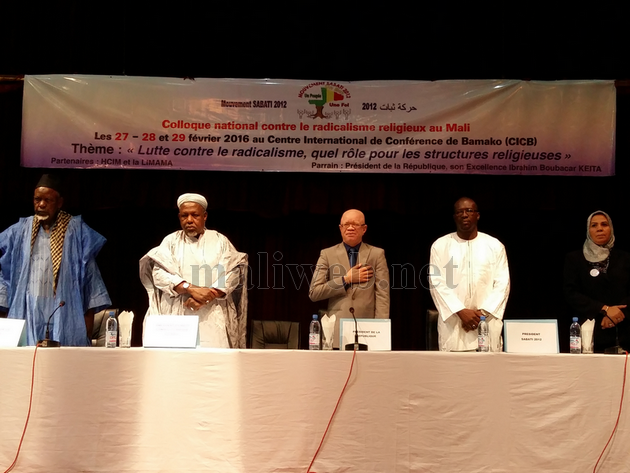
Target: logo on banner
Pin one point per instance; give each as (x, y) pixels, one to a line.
(335, 97)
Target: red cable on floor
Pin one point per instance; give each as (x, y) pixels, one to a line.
(30, 403)
(334, 411)
(623, 386)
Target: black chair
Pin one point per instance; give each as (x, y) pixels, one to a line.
(276, 334)
(431, 330)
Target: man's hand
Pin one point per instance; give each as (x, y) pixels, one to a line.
(615, 315)
(208, 294)
(470, 319)
(358, 274)
(204, 295)
(192, 304)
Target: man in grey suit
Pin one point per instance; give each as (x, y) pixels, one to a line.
(352, 274)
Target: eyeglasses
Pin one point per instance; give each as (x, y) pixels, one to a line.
(465, 211)
(351, 224)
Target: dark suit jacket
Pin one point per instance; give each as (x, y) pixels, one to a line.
(370, 299)
(586, 295)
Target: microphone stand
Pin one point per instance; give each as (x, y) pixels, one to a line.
(47, 342)
(356, 345)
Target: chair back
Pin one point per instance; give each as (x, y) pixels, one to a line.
(100, 326)
(432, 330)
(276, 334)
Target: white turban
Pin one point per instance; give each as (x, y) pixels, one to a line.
(196, 198)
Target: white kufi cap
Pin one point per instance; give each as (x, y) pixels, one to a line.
(196, 198)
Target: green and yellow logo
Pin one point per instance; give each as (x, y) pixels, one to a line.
(321, 93)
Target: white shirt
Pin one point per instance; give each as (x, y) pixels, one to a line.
(468, 274)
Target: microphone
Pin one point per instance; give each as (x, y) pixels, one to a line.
(356, 345)
(47, 342)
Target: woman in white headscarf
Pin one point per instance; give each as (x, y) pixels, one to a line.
(597, 283)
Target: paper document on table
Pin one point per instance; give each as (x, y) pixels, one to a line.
(171, 331)
(12, 333)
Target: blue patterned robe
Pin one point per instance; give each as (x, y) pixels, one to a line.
(79, 285)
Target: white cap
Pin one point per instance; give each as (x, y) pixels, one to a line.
(196, 198)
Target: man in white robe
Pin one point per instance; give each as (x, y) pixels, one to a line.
(196, 271)
(469, 277)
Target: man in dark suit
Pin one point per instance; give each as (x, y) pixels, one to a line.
(352, 274)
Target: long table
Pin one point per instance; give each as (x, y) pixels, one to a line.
(142, 410)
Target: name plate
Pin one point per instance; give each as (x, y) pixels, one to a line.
(12, 333)
(171, 331)
(375, 333)
(531, 336)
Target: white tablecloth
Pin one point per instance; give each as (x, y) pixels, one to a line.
(106, 410)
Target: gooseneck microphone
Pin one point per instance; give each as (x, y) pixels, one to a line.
(356, 345)
(47, 342)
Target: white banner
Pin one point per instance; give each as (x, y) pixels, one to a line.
(462, 127)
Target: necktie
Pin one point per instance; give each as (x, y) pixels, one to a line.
(353, 254)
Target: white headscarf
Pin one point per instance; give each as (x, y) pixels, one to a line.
(592, 251)
(195, 198)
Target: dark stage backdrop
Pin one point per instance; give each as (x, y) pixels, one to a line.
(283, 220)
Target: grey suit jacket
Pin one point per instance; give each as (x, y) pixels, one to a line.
(370, 299)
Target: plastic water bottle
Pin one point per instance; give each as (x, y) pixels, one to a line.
(575, 337)
(111, 331)
(483, 339)
(315, 334)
